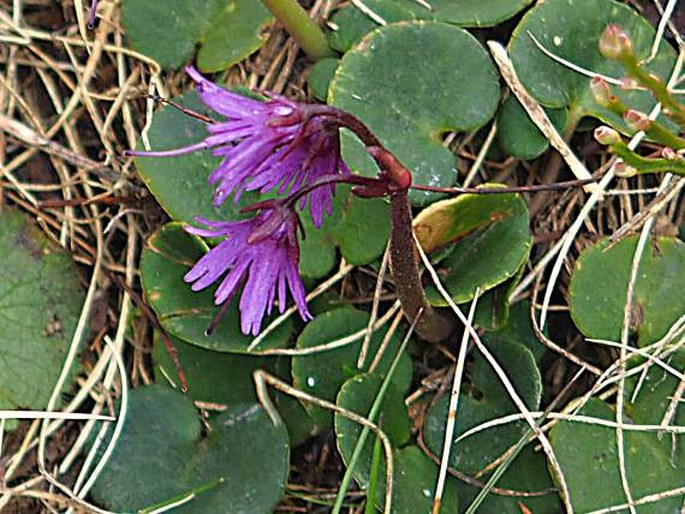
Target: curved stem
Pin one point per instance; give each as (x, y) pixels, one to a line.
(301, 27)
(433, 325)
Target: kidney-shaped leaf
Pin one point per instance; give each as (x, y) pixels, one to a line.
(526, 474)
(490, 240)
(571, 30)
(413, 485)
(351, 24)
(411, 83)
(598, 288)
(322, 374)
(588, 456)
(359, 227)
(228, 30)
(518, 135)
(40, 301)
(487, 400)
(357, 395)
(163, 454)
(167, 256)
(222, 378)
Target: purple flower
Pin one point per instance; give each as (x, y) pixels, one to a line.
(263, 254)
(266, 146)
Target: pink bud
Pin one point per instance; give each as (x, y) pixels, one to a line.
(615, 43)
(601, 91)
(669, 153)
(629, 84)
(637, 120)
(607, 136)
(623, 170)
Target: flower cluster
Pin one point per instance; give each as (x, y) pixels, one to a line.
(265, 146)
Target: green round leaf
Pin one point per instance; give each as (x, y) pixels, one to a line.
(486, 400)
(518, 135)
(588, 456)
(40, 302)
(519, 329)
(163, 455)
(358, 395)
(363, 231)
(320, 75)
(360, 227)
(402, 81)
(413, 485)
(476, 13)
(236, 31)
(492, 311)
(186, 314)
(571, 30)
(527, 474)
(598, 288)
(322, 374)
(492, 241)
(229, 30)
(657, 389)
(226, 379)
(350, 24)
(213, 377)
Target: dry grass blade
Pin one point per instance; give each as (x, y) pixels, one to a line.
(453, 408)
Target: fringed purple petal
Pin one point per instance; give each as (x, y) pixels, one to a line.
(227, 103)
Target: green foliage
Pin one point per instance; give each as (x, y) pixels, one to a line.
(320, 76)
(359, 227)
(179, 184)
(413, 484)
(402, 82)
(571, 30)
(518, 135)
(527, 473)
(598, 289)
(322, 374)
(40, 302)
(163, 455)
(588, 455)
(227, 30)
(489, 239)
(351, 24)
(357, 395)
(412, 82)
(225, 379)
(486, 400)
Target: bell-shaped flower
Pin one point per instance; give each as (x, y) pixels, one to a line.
(272, 145)
(260, 254)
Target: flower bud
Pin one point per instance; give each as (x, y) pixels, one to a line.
(637, 120)
(623, 170)
(607, 136)
(669, 153)
(629, 84)
(601, 91)
(615, 43)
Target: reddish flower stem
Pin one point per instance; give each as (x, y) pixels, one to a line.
(434, 326)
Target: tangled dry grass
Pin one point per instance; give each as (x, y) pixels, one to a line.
(71, 101)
